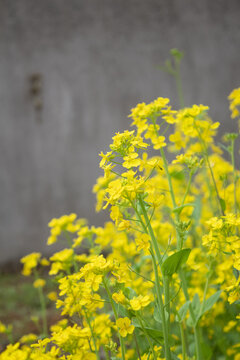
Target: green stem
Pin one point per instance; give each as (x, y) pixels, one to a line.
(197, 342)
(193, 317)
(234, 177)
(204, 295)
(9, 334)
(93, 337)
(188, 187)
(205, 153)
(116, 316)
(181, 273)
(146, 334)
(70, 243)
(148, 229)
(162, 312)
(181, 101)
(137, 346)
(183, 341)
(107, 354)
(42, 305)
(43, 310)
(167, 300)
(165, 165)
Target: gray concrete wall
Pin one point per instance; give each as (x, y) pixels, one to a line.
(97, 59)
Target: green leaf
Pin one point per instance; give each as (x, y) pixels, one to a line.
(173, 262)
(178, 175)
(178, 209)
(208, 304)
(129, 292)
(196, 304)
(122, 311)
(157, 316)
(206, 351)
(183, 311)
(154, 333)
(196, 307)
(236, 273)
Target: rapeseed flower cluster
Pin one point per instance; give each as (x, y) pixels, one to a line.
(161, 279)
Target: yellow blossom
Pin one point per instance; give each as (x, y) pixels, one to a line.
(39, 283)
(234, 98)
(137, 303)
(119, 297)
(30, 262)
(52, 296)
(143, 242)
(125, 327)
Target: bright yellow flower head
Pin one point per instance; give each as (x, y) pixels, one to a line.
(137, 303)
(119, 298)
(234, 99)
(39, 283)
(30, 262)
(143, 242)
(125, 327)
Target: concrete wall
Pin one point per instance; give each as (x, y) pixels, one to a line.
(96, 60)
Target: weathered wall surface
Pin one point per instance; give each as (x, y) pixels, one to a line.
(97, 59)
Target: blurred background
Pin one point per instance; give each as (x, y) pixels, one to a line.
(70, 73)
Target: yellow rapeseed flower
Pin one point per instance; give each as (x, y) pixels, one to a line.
(39, 283)
(125, 327)
(234, 99)
(30, 262)
(137, 303)
(119, 297)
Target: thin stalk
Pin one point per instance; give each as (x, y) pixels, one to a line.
(162, 312)
(137, 346)
(205, 152)
(177, 76)
(188, 187)
(197, 342)
(107, 354)
(184, 354)
(234, 177)
(195, 327)
(43, 306)
(167, 300)
(43, 310)
(165, 165)
(181, 273)
(204, 295)
(147, 337)
(148, 229)
(9, 334)
(93, 337)
(116, 317)
(70, 244)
